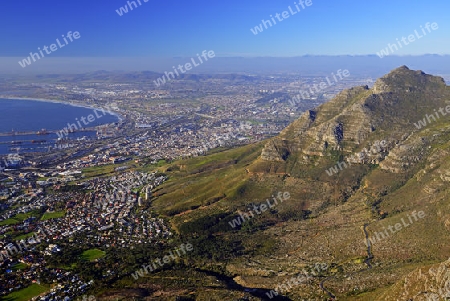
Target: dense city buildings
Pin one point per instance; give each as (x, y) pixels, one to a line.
(52, 204)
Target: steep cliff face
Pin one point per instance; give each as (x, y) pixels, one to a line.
(397, 169)
(403, 80)
(410, 170)
(357, 119)
(327, 126)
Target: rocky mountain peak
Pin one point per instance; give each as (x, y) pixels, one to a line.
(404, 79)
(358, 117)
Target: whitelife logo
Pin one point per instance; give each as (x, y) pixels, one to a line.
(288, 284)
(411, 38)
(166, 260)
(398, 226)
(188, 66)
(282, 196)
(53, 47)
(280, 17)
(423, 122)
(11, 249)
(377, 148)
(124, 9)
(71, 127)
(320, 87)
(12, 159)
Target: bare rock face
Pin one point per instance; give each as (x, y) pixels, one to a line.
(357, 119)
(403, 80)
(424, 284)
(275, 150)
(445, 175)
(327, 127)
(405, 155)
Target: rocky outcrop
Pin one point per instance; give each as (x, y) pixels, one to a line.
(405, 154)
(424, 284)
(358, 119)
(275, 150)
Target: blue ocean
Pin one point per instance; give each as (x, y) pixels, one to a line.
(18, 115)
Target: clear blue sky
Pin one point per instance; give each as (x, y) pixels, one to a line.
(162, 28)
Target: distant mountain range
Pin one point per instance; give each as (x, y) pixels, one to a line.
(146, 77)
(361, 65)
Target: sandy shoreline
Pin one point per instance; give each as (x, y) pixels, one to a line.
(61, 102)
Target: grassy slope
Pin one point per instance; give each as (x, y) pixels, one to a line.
(205, 192)
(27, 293)
(211, 183)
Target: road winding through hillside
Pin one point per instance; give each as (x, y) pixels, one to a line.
(367, 261)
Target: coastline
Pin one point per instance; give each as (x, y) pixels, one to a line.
(120, 117)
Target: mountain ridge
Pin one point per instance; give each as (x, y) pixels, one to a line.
(345, 123)
(386, 168)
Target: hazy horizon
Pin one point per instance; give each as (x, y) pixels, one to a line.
(311, 64)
